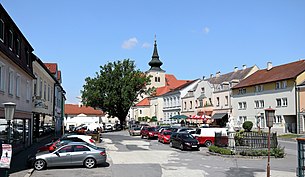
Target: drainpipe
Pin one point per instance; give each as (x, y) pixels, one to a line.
(297, 95)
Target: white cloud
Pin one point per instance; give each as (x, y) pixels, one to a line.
(206, 30)
(146, 45)
(130, 43)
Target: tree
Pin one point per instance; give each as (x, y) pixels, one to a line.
(115, 88)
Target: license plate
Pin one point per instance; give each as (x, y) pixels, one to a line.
(194, 146)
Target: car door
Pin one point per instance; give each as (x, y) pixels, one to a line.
(80, 154)
(176, 140)
(61, 157)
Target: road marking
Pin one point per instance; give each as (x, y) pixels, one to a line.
(182, 172)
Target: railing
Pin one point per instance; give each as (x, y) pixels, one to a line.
(255, 141)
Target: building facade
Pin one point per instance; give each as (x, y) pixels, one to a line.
(273, 87)
(16, 76)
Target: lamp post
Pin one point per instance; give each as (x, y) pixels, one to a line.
(9, 110)
(269, 112)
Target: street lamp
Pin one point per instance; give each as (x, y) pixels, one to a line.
(9, 110)
(269, 112)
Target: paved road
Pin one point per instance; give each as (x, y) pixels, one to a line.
(135, 157)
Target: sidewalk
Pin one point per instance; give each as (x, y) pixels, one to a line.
(19, 161)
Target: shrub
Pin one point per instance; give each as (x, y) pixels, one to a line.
(220, 150)
(276, 152)
(247, 125)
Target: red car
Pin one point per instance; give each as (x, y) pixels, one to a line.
(165, 136)
(58, 143)
(149, 132)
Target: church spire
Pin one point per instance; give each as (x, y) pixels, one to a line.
(155, 63)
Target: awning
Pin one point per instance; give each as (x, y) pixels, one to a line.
(219, 115)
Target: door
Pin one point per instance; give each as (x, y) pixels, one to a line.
(62, 157)
(80, 154)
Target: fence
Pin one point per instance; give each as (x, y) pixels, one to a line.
(254, 141)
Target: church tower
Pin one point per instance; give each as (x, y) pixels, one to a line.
(158, 74)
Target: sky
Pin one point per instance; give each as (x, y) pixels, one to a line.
(195, 38)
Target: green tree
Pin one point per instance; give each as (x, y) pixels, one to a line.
(115, 88)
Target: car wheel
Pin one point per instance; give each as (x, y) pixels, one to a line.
(142, 136)
(89, 162)
(181, 147)
(171, 144)
(208, 143)
(39, 164)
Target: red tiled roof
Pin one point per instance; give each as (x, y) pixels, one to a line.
(172, 82)
(276, 73)
(144, 102)
(74, 109)
(52, 67)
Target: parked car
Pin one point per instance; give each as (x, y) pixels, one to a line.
(86, 138)
(206, 136)
(134, 131)
(74, 153)
(108, 127)
(164, 136)
(149, 132)
(183, 140)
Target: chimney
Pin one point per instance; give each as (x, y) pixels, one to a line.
(235, 69)
(244, 67)
(211, 75)
(269, 65)
(218, 74)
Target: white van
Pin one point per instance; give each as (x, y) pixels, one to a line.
(206, 136)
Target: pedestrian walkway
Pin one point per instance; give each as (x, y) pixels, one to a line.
(19, 166)
(274, 173)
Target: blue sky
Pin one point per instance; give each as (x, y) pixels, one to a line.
(195, 38)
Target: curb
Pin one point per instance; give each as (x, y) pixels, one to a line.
(29, 173)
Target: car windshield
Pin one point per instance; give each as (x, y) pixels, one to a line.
(167, 133)
(151, 129)
(187, 136)
(137, 128)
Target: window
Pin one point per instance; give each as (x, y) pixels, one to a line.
(256, 104)
(1, 30)
(200, 103)
(35, 85)
(28, 91)
(242, 91)
(284, 84)
(202, 89)
(17, 47)
(259, 88)
(242, 105)
(277, 85)
(278, 102)
(262, 103)
(66, 149)
(79, 148)
(45, 91)
(184, 105)
(277, 119)
(10, 39)
(226, 100)
(140, 111)
(2, 77)
(49, 90)
(241, 120)
(17, 85)
(40, 88)
(217, 101)
(10, 81)
(191, 105)
(158, 79)
(284, 101)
